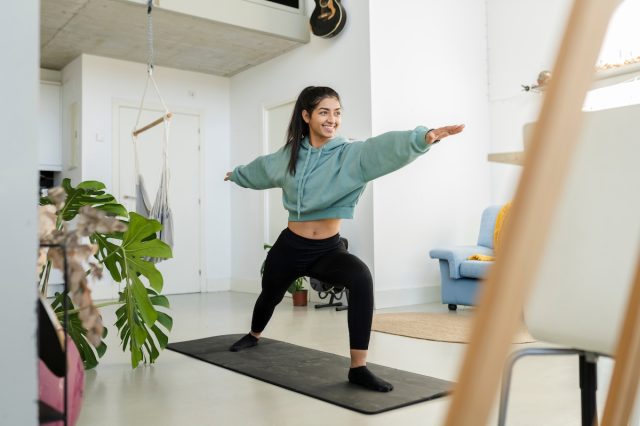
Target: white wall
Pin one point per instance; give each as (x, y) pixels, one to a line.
(342, 63)
(428, 68)
(523, 38)
(106, 82)
(19, 42)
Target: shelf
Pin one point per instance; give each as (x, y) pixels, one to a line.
(516, 157)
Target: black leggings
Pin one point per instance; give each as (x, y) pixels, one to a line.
(293, 256)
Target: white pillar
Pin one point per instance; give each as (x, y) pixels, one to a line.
(19, 44)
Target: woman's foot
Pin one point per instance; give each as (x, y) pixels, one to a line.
(245, 342)
(363, 377)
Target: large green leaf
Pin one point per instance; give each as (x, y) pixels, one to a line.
(78, 334)
(107, 250)
(125, 255)
(87, 193)
(137, 333)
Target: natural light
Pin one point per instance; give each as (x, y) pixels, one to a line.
(620, 49)
(622, 42)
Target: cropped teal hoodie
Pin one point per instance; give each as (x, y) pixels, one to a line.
(330, 180)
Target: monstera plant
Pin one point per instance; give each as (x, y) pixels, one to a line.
(142, 326)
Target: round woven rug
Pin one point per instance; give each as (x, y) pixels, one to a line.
(452, 327)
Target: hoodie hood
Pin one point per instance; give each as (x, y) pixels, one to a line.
(330, 145)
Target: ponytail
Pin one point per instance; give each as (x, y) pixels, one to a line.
(308, 100)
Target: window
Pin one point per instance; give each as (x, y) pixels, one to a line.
(620, 49)
(621, 45)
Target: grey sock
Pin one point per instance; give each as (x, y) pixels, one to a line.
(363, 377)
(245, 342)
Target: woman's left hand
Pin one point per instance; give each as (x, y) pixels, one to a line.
(435, 135)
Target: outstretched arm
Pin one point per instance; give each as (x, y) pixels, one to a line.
(390, 151)
(436, 135)
(262, 173)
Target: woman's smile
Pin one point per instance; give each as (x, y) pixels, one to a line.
(323, 121)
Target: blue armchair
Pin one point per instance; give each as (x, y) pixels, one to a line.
(461, 277)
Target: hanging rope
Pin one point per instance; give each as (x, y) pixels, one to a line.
(150, 59)
(150, 36)
(160, 209)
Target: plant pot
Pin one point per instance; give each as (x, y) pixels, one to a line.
(299, 298)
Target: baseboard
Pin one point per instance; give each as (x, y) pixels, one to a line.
(253, 287)
(407, 296)
(314, 297)
(383, 299)
(243, 285)
(217, 284)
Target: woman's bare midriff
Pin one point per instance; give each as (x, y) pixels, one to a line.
(316, 229)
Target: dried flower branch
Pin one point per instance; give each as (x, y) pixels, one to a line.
(78, 254)
(608, 66)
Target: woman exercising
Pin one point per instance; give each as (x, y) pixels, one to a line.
(322, 177)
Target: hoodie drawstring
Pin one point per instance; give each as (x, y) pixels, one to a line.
(303, 179)
(304, 168)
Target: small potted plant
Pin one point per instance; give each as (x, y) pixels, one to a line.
(299, 294)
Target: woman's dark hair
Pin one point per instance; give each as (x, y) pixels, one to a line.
(308, 100)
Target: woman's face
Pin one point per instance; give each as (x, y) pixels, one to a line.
(324, 120)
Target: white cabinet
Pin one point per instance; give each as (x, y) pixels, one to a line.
(49, 127)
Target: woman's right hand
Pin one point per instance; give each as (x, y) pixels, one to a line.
(435, 135)
(227, 176)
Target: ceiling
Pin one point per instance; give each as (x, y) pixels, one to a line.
(118, 29)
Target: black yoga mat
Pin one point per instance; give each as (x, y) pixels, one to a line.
(314, 373)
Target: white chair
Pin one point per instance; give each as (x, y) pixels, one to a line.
(581, 289)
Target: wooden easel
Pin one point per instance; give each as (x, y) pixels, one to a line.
(509, 282)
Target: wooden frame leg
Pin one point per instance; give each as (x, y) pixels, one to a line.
(526, 230)
(626, 373)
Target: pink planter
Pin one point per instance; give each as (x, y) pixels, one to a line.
(51, 387)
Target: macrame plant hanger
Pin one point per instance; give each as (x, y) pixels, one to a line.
(160, 209)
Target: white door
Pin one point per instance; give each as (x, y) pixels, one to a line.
(277, 122)
(182, 273)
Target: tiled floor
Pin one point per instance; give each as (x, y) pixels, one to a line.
(178, 390)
